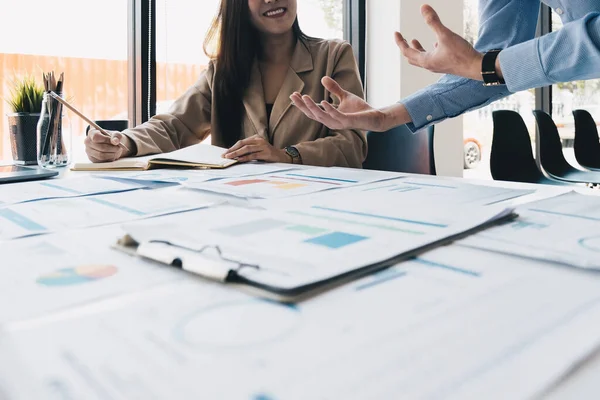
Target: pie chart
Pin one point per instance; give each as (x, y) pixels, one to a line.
(237, 325)
(77, 275)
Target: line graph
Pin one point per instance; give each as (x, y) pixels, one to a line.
(257, 322)
(591, 243)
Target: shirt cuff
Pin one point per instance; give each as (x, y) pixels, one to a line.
(423, 110)
(522, 68)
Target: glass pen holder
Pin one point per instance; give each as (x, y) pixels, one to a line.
(54, 141)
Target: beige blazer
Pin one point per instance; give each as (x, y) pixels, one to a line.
(190, 119)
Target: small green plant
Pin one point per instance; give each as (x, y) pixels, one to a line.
(26, 95)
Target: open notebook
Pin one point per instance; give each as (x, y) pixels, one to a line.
(196, 156)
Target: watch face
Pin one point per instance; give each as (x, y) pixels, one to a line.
(292, 151)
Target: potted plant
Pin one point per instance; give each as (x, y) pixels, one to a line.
(26, 102)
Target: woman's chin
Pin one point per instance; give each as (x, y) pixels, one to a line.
(277, 30)
(277, 26)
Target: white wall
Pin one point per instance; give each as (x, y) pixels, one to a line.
(390, 77)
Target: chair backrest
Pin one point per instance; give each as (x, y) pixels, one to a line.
(511, 157)
(552, 158)
(400, 150)
(587, 143)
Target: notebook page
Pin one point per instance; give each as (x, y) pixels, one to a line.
(197, 154)
(123, 163)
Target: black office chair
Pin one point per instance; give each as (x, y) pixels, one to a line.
(400, 150)
(587, 143)
(552, 159)
(511, 157)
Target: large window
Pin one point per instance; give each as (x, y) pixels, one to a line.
(182, 26)
(478, 124)
(102, 47)
(564, 99)
(85, 40)
(322, 18)
(570, 96)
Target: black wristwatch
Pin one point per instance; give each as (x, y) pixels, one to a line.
(294, 153)
(488, 69)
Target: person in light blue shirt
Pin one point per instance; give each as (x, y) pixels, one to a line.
(520, 62)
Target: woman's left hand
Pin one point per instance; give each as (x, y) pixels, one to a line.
(256, 148)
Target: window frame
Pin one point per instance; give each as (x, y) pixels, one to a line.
(355, 28)
(142, 60)
(543, 95)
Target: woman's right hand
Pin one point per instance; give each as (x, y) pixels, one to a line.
(101, 148)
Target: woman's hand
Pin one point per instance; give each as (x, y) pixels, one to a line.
(256, 148)
(101, 148)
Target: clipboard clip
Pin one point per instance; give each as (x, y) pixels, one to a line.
(196, 261)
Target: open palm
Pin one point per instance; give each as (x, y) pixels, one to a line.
(351, 113)
(451, 54)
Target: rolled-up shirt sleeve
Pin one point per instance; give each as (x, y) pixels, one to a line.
(504, 23)
(569, 54)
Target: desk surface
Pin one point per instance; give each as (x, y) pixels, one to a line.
(584, 379)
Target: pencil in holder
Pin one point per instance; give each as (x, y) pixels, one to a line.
(53, 134)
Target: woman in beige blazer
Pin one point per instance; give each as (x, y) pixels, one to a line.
(243, 99)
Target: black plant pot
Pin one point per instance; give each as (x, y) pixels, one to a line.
(23, 137)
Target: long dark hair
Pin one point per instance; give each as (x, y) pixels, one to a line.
(238, 44)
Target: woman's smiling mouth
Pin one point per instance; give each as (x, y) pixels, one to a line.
(276, 13)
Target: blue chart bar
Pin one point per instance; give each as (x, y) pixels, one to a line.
(64, 189)
(528, 225)
(564, 214)
(382, 277)
(380, 188)
(447, 267)
(361, 214)
(322, 178)
(336, 240)
(404, 189)
(22, 221)
(431, 185)
(263, 396)
(117, 206)
(252, 227)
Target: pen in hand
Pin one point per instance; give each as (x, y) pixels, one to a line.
(86, 119)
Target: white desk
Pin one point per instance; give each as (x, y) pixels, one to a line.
(583, 381)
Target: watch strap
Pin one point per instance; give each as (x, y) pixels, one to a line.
(488, 69)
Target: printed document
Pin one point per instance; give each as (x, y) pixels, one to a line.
(304, 245)
(56, 215)
(293, 183)
(563, 229)
(62, 188)
(51, 273)
(456, 323)
(350, 176)
(181, 176)
(420, 192)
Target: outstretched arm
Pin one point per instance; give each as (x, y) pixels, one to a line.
(503, 24)
(570, 54)
(352, 111)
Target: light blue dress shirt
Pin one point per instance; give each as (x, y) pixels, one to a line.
(570, 54)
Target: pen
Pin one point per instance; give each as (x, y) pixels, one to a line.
(86, 119)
